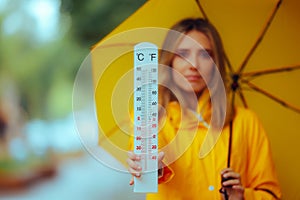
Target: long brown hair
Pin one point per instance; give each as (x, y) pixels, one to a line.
(167, 55)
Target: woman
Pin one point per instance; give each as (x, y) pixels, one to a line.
(242, 143)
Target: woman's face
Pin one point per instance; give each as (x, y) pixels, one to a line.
(193, 62)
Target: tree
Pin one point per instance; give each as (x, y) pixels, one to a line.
(93, 19)
(44, 71)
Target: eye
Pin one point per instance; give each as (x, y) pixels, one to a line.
(206, 54)
(184, 53)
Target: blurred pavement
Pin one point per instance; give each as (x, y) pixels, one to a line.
(82, 178)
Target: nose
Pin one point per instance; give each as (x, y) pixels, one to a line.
(193, 62)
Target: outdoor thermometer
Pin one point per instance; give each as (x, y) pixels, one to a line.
(146, 114)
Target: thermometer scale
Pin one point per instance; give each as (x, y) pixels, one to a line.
(146, 115)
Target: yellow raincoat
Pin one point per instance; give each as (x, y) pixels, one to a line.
(190, 177)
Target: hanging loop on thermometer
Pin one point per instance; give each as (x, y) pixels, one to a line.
(146, 115)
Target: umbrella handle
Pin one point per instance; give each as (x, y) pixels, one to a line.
(222, 190)
(229, 143)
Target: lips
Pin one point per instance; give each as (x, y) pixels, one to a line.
(193, 78)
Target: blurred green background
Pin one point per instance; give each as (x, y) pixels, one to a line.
(42, 46)
(43, 42)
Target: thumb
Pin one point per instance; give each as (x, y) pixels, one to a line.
(161, 156)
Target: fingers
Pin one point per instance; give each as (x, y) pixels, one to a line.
(230, 178)
(238, 187)
(226, 170)
(133, 156)
(133, 167)
(231, 181)
(227, 173)
(131, 182)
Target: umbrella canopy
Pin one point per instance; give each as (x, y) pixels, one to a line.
(259, 37)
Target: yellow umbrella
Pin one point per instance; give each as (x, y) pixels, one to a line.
(260, 37)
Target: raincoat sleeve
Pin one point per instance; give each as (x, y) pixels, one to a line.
(167, 172)
(166, 176)
(262, 180)
(166, 135)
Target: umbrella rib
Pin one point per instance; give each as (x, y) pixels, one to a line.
(242, 97)
(202, 10)
(260, 37)
(206, 17)
(228, 63)
(124, 44)
(278, 100)
(271, 71)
